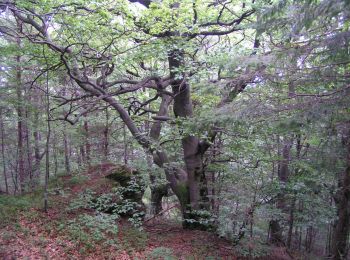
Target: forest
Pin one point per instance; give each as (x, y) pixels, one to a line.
(175, 129)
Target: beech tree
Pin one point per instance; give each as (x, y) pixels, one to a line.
(241, 105)
(90, 64)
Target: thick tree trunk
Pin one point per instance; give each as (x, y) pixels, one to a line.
(275, 232)
(157, 194)
(309, 239)
(196, 186)
(158, 191)
(283, 174)
(339, 247)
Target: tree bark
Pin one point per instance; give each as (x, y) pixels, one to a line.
(339, 247)
(20, 126)
(54, 153)
(158, 191)
(87, 142)
(105, 136)
(196, 186)
(29, 164)
(2, 129)
(36, 135)
(47, 157)
(283, 174)
(125, 142)
(66, 150)
(82, 153)
(291, 223)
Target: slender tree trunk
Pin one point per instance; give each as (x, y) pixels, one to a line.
(79, 159)
(47, 166)
(291, 223)
(66, 150)
(293, 199)
(87, 142)
(20, 126)
(339, 247)
(105, 136)
(300, 240)
(2, 129)
(125, 146)
(36, 134)
(54, 151)
(29, 168)
(82, 153)
(37, 154)
(329, 239)
(309, 240)
(329, 232)
(14, 178)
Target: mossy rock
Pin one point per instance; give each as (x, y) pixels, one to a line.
(131, 185)
(122, 174)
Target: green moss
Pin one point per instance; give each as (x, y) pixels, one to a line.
(121, 174)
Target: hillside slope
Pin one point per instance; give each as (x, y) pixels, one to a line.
(68, 231)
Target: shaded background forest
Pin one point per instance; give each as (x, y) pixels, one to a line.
(235, 111)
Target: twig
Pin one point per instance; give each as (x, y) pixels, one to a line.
(160, 213)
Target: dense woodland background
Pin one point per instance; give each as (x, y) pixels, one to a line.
(226, 116)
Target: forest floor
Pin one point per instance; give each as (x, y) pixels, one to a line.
(27, 232)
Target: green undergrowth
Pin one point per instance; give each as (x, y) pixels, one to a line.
(77, 179)
(161, 253)
(252, 248)
(82, 220)
(115, 202)
(86, 231)
(133, 239)
(12, 206)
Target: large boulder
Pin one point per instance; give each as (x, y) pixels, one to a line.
(129, 184)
